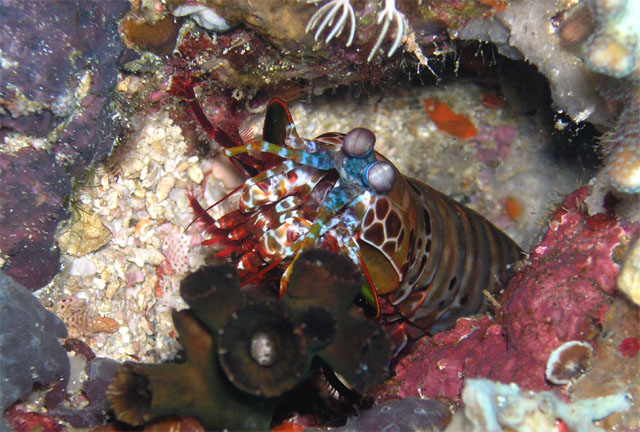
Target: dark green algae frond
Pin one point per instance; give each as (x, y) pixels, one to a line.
(244, 356)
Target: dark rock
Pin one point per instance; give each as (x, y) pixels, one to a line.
(38, 124)
(50, 56)
(409, 414)
(88, 137)
(33, 196)
(29, 349)
(56, 45)
(100, 372)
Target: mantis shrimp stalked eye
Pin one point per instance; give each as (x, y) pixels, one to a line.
(380, 176)
(426, 258)
(359, 142)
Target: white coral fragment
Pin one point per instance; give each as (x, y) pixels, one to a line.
(205, 17)
(493, 407)
(629, 278)
(329, 12)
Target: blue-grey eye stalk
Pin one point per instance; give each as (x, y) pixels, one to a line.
(358, 142)
(380, 176)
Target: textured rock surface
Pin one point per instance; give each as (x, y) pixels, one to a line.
(409, 414)
(58, 46)
(59, 65)
(32, 197)
(100, 372)
(29, 348)
(629, 278)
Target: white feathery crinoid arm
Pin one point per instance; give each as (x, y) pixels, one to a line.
(389, 14)
(326, 15)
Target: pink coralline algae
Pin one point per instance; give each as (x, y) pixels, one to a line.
(629, 347)
(436, 367)
(175, 247)
(559, 294)
(494, 145)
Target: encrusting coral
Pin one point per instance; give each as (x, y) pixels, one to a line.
(494, 407)
(244, 355)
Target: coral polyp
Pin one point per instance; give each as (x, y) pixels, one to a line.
(327, 14)
(326, 18)
(388, 15)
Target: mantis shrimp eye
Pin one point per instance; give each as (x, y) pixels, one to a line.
(358, 142)
(380, 176)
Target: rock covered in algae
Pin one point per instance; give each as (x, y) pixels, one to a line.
(33, 192)
(623, 167)
(70, 51)
(408, 414)
(243, 356)
(59, 67)
(615, 365)
(291, 47)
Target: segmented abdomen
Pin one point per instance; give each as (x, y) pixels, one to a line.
(454, 255)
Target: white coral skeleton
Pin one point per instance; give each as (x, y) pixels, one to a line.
(325, 18)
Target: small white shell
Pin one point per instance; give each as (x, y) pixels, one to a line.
(264, 349)
(568, 361)
(205, 17)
